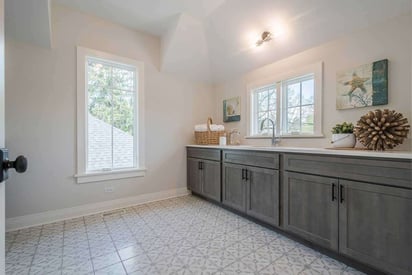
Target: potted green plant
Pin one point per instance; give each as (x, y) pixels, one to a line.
(342, 136)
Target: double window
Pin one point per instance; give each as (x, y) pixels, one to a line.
(293, 103)
(110, 107)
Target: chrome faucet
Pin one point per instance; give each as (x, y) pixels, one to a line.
(275, 139)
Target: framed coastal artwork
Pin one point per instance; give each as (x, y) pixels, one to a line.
(363, 86)
(231, 109)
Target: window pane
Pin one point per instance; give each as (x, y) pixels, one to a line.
(99, 144)
(98, 74)
(272, 115)
(262, 116)
(293, 120)
(272, 99)
(262, 101)
(293, 91)
(99, 134)
(265, 108)
(123, 79)
(123, 129)
(111, 116)
(267, 126)
(308, 92)
(100, 103)
(307, 119)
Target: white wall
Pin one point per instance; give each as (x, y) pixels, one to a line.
(391, 40)
(41, 115)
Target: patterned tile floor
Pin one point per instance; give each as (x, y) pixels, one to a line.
(184, 235)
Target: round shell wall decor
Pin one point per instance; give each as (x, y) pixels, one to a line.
(382, 129)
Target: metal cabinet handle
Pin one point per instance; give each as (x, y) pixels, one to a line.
(243, 174)
(341, 194)
(246, 174)
(333, 191)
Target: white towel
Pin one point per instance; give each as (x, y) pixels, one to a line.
(201, 128)
(216, 127)
(213, 127)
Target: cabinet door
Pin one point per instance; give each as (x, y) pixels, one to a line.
(375, 225)
(311, 208)
(234, 187)
(194, 183)
(211, 180)
(262, 194)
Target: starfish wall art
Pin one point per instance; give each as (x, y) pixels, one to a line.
(366, 85)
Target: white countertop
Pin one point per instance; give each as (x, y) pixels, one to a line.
(392, 154)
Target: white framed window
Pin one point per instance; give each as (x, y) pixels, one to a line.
(110, 113)
(293, 101)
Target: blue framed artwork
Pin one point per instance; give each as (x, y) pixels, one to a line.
(231, 109)
(363, 86)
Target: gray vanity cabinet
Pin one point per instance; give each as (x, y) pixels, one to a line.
(311, 208)
(204, 173)
(375, 225)
(250, 189)
(359, 207)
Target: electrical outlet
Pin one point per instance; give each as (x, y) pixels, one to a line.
(109, 189)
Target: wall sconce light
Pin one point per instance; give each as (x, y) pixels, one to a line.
(266, 37)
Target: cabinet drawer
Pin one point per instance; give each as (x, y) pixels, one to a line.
(253, 158)
(204, 153)
(388, 172)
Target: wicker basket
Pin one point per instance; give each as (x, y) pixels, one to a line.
(209, 137)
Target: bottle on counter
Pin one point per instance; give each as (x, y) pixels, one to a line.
(222, 139)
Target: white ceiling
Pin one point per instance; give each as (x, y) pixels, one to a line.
(210, 40)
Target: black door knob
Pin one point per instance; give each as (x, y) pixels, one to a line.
(20, 164)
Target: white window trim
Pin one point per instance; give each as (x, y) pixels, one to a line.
(317, 70)
(82, 175)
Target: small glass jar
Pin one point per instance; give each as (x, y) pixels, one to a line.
(234, 137)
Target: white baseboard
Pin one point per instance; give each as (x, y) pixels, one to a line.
(89, 209)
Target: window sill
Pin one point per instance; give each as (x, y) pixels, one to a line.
(287, 136)
(110, 175)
